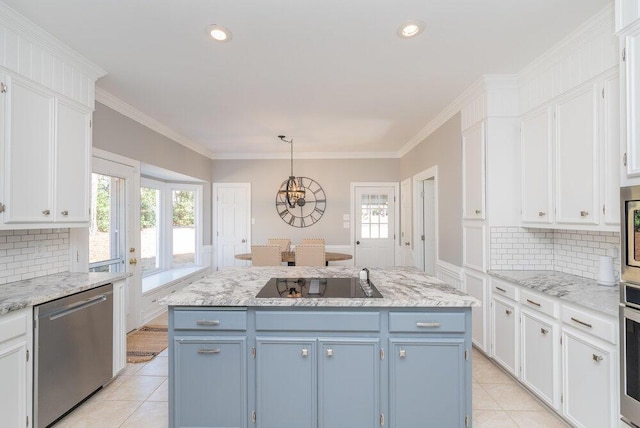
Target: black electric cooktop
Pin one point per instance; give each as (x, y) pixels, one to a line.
(309, 288)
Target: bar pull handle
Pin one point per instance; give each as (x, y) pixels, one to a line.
(533, 302)
(427, 324)
(209, 351)
(581, 322)
(501, 289)
(208, 322)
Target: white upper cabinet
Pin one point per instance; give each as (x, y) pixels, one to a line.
(46, 150)
(29, 132)
(536, 163)
(611, 151)
(73, 144)
(473, 172)
(627, 13)
(631, 104)
(577, 174)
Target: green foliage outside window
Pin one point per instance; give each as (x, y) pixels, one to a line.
(103, 205)
(148, 206)
(183, 208)
(636, 220)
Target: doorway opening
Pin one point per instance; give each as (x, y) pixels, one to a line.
(426, 220)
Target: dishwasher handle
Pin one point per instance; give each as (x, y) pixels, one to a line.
(66, 310)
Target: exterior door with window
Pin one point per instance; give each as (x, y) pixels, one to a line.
(375, 224)
(113, 243)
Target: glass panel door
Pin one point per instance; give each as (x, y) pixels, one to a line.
(106, 237)
(374, 226)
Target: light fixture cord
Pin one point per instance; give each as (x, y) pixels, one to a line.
(291, 142)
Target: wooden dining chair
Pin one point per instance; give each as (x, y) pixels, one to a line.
(310, 255)
(313, 241)
(285, 244)
(266, 255)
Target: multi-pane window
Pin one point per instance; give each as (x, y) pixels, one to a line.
(374, 213)
(106, 237)
(150, 217)
(169, 225)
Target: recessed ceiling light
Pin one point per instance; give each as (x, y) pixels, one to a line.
(410, 29)
(219, 33)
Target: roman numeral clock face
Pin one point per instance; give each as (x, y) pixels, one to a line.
(305, 211)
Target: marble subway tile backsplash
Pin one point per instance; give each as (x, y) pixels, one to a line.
(570, 251)
(26, 254)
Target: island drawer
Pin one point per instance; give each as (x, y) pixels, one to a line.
(426, 322)
(539, 303)
(317, 321)
(210, 320)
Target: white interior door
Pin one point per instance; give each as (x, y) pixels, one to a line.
(375, 225)
(429, 226)
(232, 223)
(114, 238)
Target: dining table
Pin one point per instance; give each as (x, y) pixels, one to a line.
(290, 257)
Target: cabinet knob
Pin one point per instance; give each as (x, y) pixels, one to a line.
(403, 353)
(584, 213)
(64, 213)
(478, 211)
(46, 212)
(542, 214)
(507, 311)
(408, 244)
(544, 331)
(305, 352)
(329, 352)
(597, 358)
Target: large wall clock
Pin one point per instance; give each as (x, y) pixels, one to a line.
(305, 211)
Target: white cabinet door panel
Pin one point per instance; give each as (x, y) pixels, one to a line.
(476, 286)
(504, 334)
(537, 175)
(577, 172)
(539, 370)
(72, 164)
(473, 172)
(28, 149)
(611, 149)
(632, 103)
(474, 245)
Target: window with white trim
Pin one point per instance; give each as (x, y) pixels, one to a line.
(170, 225)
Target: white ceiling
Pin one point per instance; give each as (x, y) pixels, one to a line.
(332, 74)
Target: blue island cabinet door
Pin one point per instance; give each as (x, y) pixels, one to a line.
(286, 383)
(210, 382)
(348, 383)
(427, 379)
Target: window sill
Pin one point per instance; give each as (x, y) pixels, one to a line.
(169, 277)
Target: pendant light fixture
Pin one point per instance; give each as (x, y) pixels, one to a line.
(294, 190)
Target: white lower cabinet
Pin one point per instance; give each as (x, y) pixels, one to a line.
(539, 370)
(475, 285)
(119, 326)
(589, 391)
(505, 333)
(15, 368)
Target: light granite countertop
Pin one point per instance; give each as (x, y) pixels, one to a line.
(570, 288)
(399, 286)
(31, 292)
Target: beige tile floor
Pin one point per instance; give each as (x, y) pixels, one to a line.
(138, 398)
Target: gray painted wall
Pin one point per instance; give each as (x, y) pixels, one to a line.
(334, 175)
(444, 149)
(118, 134)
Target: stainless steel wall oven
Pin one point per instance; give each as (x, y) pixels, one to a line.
(630, 305)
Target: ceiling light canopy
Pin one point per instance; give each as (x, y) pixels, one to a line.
(219, 33)
(410, 29)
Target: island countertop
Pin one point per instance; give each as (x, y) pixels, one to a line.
(400, 287)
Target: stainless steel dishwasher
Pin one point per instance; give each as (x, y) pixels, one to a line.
(73, 343)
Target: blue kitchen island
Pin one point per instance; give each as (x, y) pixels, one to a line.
(305, 357)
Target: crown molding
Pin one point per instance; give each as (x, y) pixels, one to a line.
(605, 19)
(454, 107)
(33, 33)
(131, 112)
(308, 155)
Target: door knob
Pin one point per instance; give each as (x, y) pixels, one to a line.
(244, 240)
(133, 261)
(357, 242)
(132, 250)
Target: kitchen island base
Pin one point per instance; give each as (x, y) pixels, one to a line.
(319, 367)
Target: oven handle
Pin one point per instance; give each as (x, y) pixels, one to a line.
(630, 313)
